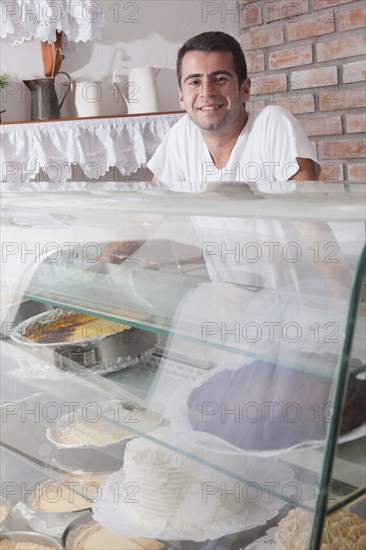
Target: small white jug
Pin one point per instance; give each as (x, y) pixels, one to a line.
(141, 92)
(87, 98)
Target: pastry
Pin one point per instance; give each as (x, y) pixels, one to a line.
(343, 531)
(7, 544)
(92, 536)
(54, 497)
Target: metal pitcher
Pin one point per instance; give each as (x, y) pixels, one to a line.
(45, 103)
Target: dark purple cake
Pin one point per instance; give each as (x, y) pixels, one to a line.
(263, 406)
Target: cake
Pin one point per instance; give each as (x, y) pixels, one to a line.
(266, 407)
(78, 432)
(72, 327)
(172, 487)
(8, 544)
(53, 497)
(343, 530)
(82, 433)
(92, 536)
(169, 489)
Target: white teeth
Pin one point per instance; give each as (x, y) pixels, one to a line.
(209, 108)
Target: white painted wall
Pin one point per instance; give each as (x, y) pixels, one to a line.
(139, 33)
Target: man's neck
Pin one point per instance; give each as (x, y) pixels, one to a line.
(221, 143)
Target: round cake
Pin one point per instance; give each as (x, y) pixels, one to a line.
(263, 406)
(72, 327)
(343, 531)
(122, 423)
(170, 489)
(84, 434)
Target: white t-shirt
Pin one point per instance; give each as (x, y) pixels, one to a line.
(266, 150)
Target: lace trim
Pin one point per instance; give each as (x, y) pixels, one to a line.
(95, 145)
(80, 20)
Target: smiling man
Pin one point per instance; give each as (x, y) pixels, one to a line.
(218, 140)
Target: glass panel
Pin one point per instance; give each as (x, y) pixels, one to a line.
(239, 297)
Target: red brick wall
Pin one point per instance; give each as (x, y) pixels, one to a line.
(309, 56)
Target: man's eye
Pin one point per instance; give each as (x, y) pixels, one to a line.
(221, 79)
(194, 83)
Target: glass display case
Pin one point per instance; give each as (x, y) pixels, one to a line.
(184, 370)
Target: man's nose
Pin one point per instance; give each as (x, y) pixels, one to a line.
(209, 89)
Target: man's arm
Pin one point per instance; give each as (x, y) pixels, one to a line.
(307, 170)
(154, 179)
(338, 279)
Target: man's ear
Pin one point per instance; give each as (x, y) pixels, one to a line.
(245, 90)
(181, 102)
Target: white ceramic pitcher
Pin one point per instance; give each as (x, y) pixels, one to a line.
(88, 98)
(140, 94)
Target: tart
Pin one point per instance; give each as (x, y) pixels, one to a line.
(92, 536)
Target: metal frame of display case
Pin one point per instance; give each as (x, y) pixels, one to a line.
(330, 446)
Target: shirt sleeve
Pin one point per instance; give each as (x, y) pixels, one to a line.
(285, 141)
(166, 163)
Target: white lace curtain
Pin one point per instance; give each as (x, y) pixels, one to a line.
(125, 143)
(79, 20)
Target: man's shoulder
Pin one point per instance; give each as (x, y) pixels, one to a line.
(273, 112)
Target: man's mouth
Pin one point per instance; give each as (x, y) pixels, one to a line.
(211, 107)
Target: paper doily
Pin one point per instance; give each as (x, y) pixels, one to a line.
(268, 542)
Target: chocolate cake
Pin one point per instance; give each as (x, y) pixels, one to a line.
(263, 406)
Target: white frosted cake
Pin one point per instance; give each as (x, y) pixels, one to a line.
(175, 491)
(172, 487)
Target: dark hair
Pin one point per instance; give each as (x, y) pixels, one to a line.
(214, 41)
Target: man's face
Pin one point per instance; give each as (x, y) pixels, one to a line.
(209, 90)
